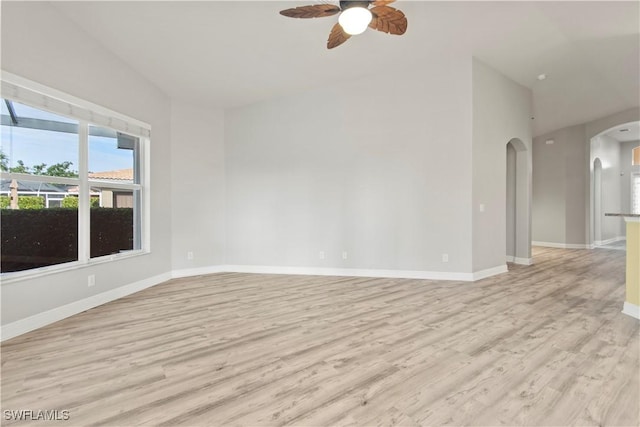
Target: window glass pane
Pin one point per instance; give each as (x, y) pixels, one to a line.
(37, 142)
(113, 156)
(32, 112)
(635, 194)
(114, 221)
(32, 235)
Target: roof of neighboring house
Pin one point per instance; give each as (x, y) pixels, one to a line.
(32, 186)
(120, 174)
(76, 190)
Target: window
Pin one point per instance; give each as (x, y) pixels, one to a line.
(114, 159)
(635, 193)
(635, 161)
(73, 188)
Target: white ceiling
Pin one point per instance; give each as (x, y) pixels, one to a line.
(632, 132)
(233, 53)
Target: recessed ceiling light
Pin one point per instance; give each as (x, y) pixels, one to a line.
(542, 77)
(624, 130)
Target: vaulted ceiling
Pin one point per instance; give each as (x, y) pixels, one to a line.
(231, 53)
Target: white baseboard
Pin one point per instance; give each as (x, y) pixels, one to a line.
(483, 274)
(520, 261)
(39, 320)
(608, 241)
(631, 310)
(350, 272)
(561, 245)
(201, 271)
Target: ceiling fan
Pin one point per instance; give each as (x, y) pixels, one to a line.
(355, 17)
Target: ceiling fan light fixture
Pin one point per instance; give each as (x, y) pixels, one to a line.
(355, 16)
(355, 20)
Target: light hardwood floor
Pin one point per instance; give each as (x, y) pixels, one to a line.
(540, 345)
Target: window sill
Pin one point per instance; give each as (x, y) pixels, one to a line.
(19, 276)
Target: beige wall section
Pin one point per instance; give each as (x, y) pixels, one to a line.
(197, 187)
(107, 198)
(41, 45)
(501, 112)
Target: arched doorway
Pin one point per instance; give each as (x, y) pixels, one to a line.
(597, 202)
(511, 202)
(609, 187)
(518, 218)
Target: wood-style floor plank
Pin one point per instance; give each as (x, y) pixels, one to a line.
(540, 345)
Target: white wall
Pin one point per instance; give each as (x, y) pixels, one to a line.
(197, 187)
(501, 112)
(559, 186)
(377, 167)
(41, 45)
(549, 191)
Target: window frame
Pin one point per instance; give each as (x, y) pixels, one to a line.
(54, 101)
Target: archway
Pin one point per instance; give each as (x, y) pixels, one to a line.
(609, 185)
(597, 202)
(511, 202)
(518, 217)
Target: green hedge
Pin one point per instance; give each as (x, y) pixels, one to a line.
(24, 202)
(37, 202)
(34, 238)
(70, 202)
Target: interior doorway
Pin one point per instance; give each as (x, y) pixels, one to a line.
(597, 202)
(518, 217)
(511, 202)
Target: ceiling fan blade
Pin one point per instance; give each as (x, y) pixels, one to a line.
(313, 11)
(381, 2)
(337, 37)
(388, 20)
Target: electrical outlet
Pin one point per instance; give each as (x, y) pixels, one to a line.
(190, 255)
(321, 255)
(344, 254)
(445, 257)
(481, 207)
(91, 280)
